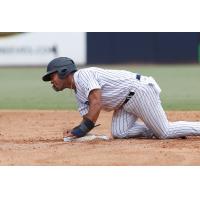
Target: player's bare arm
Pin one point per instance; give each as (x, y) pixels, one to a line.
(95, 105)
(94, 110)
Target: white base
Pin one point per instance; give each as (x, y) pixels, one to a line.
(88, 137)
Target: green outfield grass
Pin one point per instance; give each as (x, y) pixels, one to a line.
(22, 88)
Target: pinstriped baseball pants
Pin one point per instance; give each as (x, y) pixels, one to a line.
(146, 105)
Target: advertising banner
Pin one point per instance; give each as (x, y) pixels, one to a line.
(38, 48)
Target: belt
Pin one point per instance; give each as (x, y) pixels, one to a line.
(138, 77)
(128, 97)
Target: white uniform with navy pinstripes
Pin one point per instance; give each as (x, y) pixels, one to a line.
(115, 85)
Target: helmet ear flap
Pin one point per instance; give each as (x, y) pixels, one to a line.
(62, 73)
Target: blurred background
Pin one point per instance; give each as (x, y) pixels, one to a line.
(172, 58)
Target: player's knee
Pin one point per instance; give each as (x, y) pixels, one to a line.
(163, 135)
(161, 132)
(118, 135)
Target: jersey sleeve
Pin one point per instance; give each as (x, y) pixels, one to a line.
(83, 108)
(89, 81)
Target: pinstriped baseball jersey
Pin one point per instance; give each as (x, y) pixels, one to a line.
(145, 104)
(115, 86)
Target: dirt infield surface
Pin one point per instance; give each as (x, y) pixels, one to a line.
(35, 138)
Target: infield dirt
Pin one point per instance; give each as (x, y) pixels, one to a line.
(35, 138)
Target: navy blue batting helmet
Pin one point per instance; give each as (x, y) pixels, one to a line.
(62, 65)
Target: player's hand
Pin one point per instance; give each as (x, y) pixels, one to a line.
(67, 133)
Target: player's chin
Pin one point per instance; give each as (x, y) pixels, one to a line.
(56, 88)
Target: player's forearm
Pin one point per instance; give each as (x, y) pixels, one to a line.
(94, 111)
(95, 105)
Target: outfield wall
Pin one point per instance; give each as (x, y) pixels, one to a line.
(142, 47)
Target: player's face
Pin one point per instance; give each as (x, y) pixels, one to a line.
(57, 83)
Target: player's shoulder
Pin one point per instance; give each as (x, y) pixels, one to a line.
(88, 70)
(85, 73)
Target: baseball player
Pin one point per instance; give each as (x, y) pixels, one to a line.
(129, 95)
